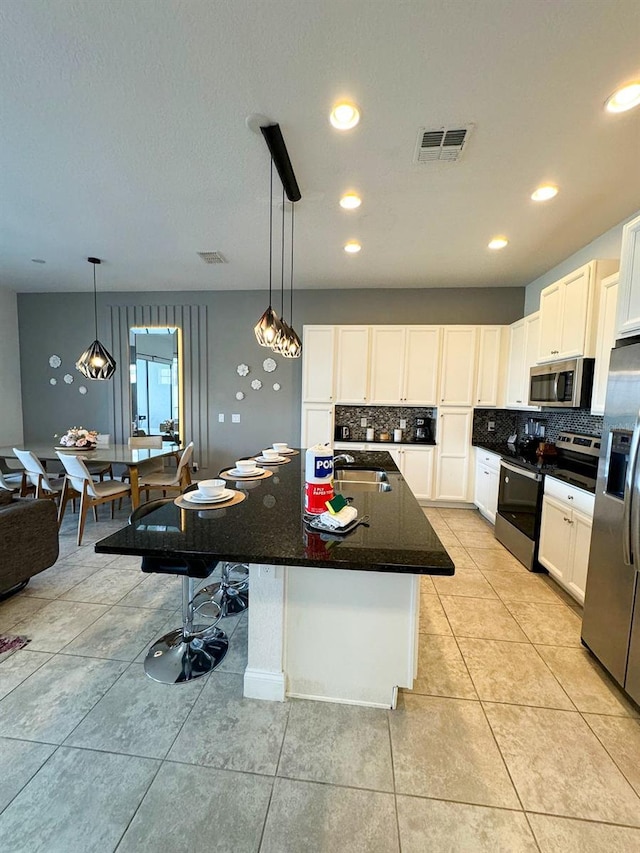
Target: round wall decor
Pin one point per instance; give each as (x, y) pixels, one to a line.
(68, 378)
(239, 395)
(55, 361)
(256, 385)
(276, 386)
(269, 365)
(82, 389)
(53, 381)
(242, 369)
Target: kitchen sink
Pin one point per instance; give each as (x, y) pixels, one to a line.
(364, 475)
(352, 487)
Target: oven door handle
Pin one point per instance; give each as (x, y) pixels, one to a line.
(531, 475)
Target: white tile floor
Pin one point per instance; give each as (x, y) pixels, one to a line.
(513, 738)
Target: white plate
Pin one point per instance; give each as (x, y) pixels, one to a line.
(197, 498)
(275, 459)
(288, 450)
(235, 473)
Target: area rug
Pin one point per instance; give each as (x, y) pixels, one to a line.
(10, 643)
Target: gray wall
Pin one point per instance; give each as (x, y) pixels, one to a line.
(62, 324)
(604, 247)
(11, 408)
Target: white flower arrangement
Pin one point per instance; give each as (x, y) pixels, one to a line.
(79, 437)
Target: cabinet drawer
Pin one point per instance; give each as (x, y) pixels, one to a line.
(487, 459)
(569, 495)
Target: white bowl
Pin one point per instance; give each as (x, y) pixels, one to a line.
(211, 488)
(245, 465)
(270, 453)
(280, 446)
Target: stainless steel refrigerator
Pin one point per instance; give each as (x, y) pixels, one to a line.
(611, 621)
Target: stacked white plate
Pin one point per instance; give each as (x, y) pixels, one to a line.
(197, 497)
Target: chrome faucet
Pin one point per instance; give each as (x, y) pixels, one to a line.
(343, 457)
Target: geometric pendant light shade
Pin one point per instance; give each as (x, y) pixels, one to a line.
(96, 362)
(267, 329)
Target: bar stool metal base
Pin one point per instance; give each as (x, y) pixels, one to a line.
(174, 659)
(226, 598)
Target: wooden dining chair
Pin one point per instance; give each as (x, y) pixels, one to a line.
(36, 478)
(12, 482)
(167, 480)
(101, 469)
(79, 483)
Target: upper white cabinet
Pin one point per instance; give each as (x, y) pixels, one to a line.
(458, 365)
(523, 352)
(568, 313)
(491, 367)
(606, 338)
(352, 364)
(404, 365)
(628, 321)
(318, 360)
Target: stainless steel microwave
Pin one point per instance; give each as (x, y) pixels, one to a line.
(563, 384)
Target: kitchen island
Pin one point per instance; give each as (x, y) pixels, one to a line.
(331, 617)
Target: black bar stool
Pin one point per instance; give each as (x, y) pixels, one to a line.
(192, 650)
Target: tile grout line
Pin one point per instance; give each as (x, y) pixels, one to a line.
(604, 746)
(393, 773)
(273, 780)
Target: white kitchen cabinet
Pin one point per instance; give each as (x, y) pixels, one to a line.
(565, 535)
(416, 466)
(523, 352)
(628, 319)
(387, 364)
(487, 482)
(491, 367)
(568, 315)
(352, 364)
(317, 424)
(452, 481)
(404, 365)
(422, 365)
(318, 362)
(605, 340)
(458, 365)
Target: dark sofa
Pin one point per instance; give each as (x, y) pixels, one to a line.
(28, 540)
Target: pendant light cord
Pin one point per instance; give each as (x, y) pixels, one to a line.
(95, 302)
(293, 207)
(270, 228)
(282, 261)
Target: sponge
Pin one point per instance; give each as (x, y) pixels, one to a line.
(336, 504)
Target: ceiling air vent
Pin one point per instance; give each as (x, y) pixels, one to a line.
(213, 257)
(442, 143)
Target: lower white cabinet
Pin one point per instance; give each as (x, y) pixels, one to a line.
(565, 535)
(487, 483)
(452, 480)
(317, 424)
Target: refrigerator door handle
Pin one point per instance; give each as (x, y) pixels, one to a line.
(631, 512)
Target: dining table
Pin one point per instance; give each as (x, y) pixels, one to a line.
(115, 454)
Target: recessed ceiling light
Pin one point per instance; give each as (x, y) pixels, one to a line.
(38, 261)
(352, 247)
(350, 201)
(625, 98)
(344, 116)
(544, 193)
(498, 243)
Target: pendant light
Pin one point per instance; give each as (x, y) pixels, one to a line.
(268, 326)
(281, 342)
(96, 362)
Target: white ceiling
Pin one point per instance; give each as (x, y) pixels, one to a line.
(123, 135)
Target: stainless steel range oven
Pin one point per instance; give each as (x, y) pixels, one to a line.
(519, 512)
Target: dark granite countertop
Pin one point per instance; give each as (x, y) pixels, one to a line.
(268, 527)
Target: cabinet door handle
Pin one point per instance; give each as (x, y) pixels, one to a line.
(569, 497)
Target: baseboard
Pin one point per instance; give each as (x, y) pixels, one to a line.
(264, 684)
(338, 701)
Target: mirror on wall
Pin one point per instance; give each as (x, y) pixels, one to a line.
(155, 374)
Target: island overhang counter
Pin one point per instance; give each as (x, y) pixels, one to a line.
(332, 618)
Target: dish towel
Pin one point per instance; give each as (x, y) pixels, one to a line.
(340, 519)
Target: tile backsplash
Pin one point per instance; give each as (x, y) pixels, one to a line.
(381, 418)
(555, 420)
